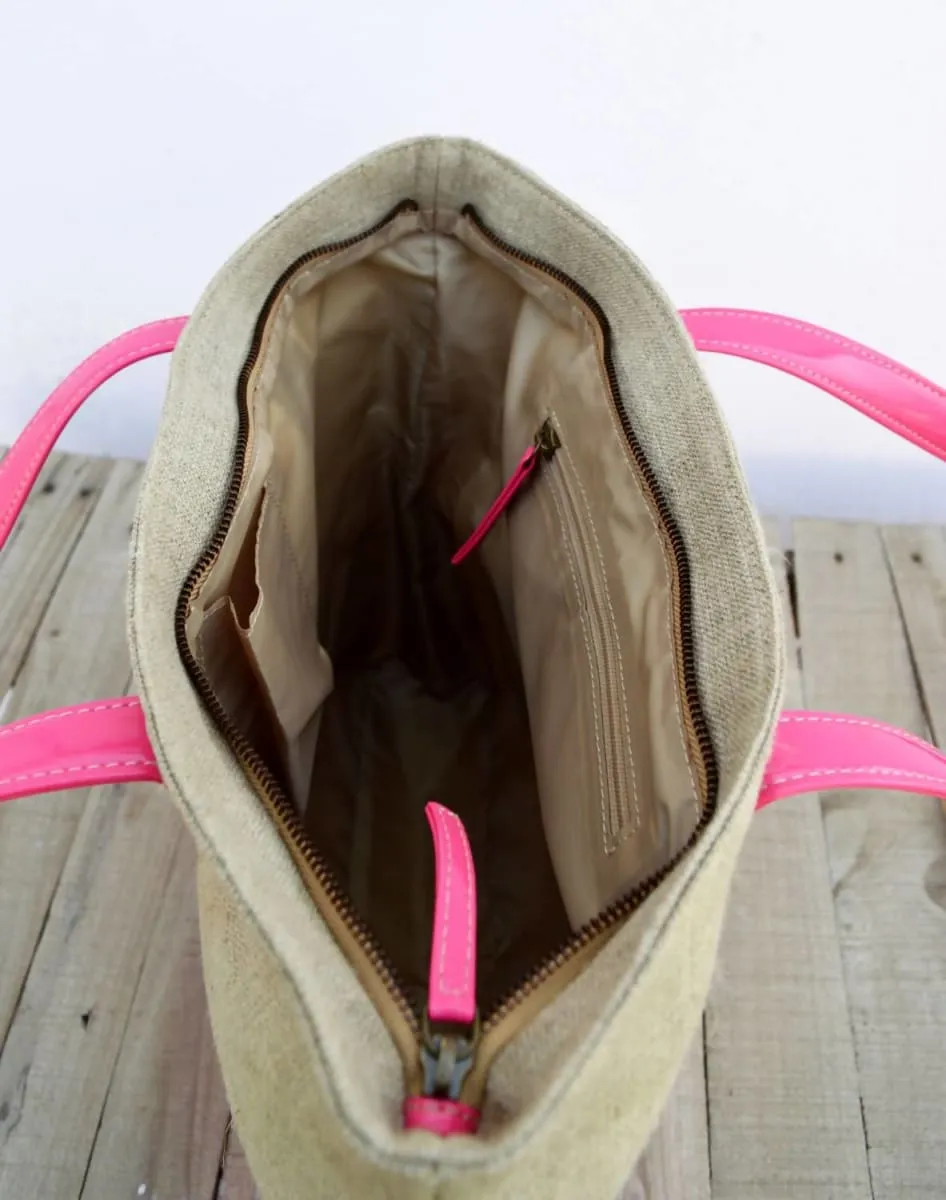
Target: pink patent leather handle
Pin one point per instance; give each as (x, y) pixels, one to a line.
(103, 742)
(111, 744)
(451, 994)
(89, 744)
(821, 751)
(18, 471)
(899, 399)
(107, 742)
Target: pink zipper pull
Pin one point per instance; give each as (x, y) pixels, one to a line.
(451, 994)
(546, 443)
(451, 1022)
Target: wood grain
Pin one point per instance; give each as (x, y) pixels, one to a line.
(62, 1044)
(77, 653)
(164, 1120)
(676, 1161)
(236, 1183)
(917, 558)
(38, 549)
(882, 848)
(782, 1076)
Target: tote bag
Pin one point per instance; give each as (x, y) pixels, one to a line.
(456, 645)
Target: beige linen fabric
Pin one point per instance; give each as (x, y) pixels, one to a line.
(313, 1077)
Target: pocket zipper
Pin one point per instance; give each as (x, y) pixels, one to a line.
(596, 613)
(543, 447)
(616, 780)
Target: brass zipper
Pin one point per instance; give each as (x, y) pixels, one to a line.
(308, 858)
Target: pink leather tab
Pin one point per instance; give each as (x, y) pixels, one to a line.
(817, 751)
(452, 989)
(901, 400)
(443, 1117)
(26, 456)
(510, 489)
(101, 742)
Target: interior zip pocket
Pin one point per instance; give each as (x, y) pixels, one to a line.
(620, 810)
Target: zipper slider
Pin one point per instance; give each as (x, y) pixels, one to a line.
(544, 445)
(447, 1059)
(547, 441)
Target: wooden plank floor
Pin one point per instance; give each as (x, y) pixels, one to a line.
(820, 1071)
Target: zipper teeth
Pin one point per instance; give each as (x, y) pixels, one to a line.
(683, 628)
(601, 633)
(250, 759)
(594, 928)
(255, 766)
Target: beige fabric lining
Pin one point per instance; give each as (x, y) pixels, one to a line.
(389, 391)
(601, 1058)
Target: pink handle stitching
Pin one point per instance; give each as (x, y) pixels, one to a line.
(440, 815)
(888, 730)
(886, 772)
(19, 726)
(104, 373)
(85, 769)
(858, 350)
(858, 401)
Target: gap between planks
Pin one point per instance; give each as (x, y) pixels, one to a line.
(784, 1100)
(108, 1076)
(883, 849)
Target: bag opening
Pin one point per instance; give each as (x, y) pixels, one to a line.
(543, 689)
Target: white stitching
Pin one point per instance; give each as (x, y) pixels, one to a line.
(612, 842)
(884, 772)
(566, 541)
(20, 726)
(632, 466)
(439, 816)
(859, 351)
(889, 730)
(132, 762)
(858, 400)
(105, 372)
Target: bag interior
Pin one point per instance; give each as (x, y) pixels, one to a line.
(535, 688)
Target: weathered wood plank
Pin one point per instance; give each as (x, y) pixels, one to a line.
(63, 1041)
(79, 652)
(882, 847)
(39, 548)
(164, 1120)
(676, 1161)
(784, 1104)
(236, 1183)
(917, 557)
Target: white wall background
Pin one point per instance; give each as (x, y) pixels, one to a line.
(781, 156)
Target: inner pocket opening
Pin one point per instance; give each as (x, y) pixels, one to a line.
(392, 394)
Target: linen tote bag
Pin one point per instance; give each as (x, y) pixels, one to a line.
(456, 645)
